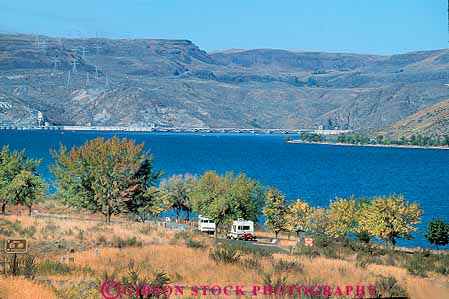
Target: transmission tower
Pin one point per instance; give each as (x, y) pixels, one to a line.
(74, 63)
(96, 71)
(98, 49)
(69, 79)
(55, 65)
(83, 51)
(87, 79)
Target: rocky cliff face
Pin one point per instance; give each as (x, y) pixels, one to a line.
(174, 83)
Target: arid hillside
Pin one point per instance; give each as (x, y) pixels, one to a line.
(430, 121)
(174, 83)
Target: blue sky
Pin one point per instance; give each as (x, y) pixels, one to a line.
(361, 26)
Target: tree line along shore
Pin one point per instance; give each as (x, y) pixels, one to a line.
(357, 139)
(115, 177)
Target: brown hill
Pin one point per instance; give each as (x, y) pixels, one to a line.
(174, 83)
(430, 121)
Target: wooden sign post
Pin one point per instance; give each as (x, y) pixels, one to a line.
(15, 246)
(309, 243)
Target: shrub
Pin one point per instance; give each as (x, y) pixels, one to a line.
(251, 263)
(250, 248)
(50, 267)
(363, 260)
(269, 280)
(29, 267)
(224, 254)
(101, 240)
(285, 266)
(442, 269)
(9, 228)
(50, 228)
(388, 287)
(364, 237)
(417, 265)
(146, 229)
(25, 265)
(17, 226)
(134, 277)
(182, 235)
(195, 244)
(123, 243)
(323, 241)
(29, 231)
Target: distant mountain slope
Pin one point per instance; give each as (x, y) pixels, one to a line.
(175, 83)
(431, 121)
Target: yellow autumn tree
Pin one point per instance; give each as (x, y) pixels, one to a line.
(298, 217)
(342, 217)
(390, 218)
(275, 211)
(319, 221)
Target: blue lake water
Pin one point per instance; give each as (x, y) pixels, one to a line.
(315, 173)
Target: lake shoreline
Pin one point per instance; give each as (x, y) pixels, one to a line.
(372, 145)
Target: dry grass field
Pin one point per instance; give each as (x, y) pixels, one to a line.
(73, 257)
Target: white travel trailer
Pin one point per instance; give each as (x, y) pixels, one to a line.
(205, 224)
(242, 230)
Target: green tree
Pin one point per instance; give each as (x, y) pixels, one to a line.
(11, 165)
(342, 217)
(390, 218)
(178, 189)
(298, 217)
(26, 189)
(437, 232)
(154, 203)
(141, 190)
(226, 198)
(110, 177)
(275, 211)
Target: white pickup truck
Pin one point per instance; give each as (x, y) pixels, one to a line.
(206, 225)
(242, 230)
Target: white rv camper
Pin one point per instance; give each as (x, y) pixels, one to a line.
(242, 230)
(205, 224)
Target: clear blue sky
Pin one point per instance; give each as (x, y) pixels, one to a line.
(362, 26)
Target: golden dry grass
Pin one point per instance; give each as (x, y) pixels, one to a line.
(164, 250)
(88, 233)
(20, 288)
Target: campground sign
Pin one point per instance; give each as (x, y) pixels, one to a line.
(16, 246)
